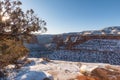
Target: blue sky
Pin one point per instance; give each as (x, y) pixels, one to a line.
(63, 16)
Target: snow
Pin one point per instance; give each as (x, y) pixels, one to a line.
(34, 75)
(33, 71)
(39, 69)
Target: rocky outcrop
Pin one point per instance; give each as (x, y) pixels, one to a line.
(105, 74)
(82, 77)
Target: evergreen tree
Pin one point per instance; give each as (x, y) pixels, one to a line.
(16, 26)
(17, 23)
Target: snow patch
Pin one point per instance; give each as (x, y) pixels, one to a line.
(34, 75)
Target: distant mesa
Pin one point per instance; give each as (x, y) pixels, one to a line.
(112, 30)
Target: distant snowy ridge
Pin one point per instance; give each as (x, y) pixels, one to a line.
(115, 30)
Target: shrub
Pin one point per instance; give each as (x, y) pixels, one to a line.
(11, 51)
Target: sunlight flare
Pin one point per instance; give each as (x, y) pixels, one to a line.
(4, 18)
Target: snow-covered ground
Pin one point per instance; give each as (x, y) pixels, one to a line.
(60, 70)
(39, 69)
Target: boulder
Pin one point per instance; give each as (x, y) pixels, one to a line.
(105, 74)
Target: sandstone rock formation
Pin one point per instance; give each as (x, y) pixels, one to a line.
(105, 74)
